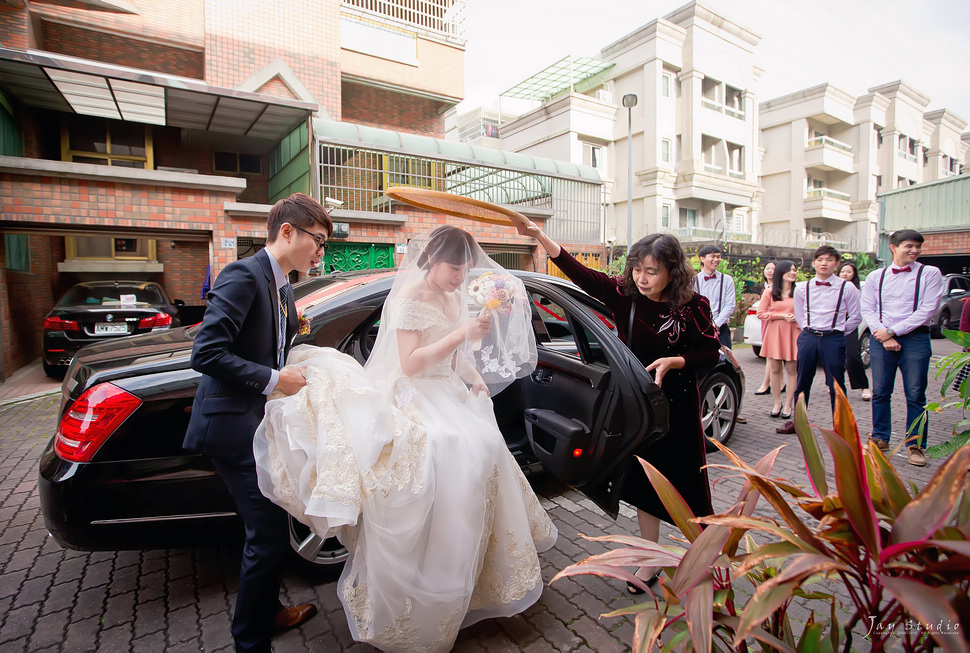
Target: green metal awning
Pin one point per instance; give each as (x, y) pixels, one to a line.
(565, 74)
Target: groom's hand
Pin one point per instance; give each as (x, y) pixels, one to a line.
(291, 380)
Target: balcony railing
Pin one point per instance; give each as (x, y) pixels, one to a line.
(689, 234)
(906, 155)
(817, 240)
(710, 167)
(830, 142)
(737, 174)
(827, 192)
(734, 113)
(711, 104)
(445, 18)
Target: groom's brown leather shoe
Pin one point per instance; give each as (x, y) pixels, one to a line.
(288, 618)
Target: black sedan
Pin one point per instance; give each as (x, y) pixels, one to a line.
(115, 475)
(103, 310)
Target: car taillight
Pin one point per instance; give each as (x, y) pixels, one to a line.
(158, 320)
(57, 324)
(91, 420)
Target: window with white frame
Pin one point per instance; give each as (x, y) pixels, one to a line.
(665, 150)
(665, 85)
(665, 216)
(735, 158)
(688, 218)
(594, 155)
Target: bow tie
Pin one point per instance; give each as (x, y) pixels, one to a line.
(713, 276)
(823, 283)
(898, 270)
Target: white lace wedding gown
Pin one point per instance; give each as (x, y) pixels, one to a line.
(414, 477)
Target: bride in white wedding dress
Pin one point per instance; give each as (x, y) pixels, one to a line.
(403, 460)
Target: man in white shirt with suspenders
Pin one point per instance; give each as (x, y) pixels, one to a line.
(898, 303)
(719, 290)
(826, 307)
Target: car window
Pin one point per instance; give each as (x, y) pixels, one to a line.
(961, 283)
(558, 331)
(111, 296)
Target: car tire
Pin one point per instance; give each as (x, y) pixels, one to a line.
(54, 371)
(321, 557)
(864, 341)
(756, 349)
(719, 408)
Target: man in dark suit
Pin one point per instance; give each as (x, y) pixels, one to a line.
(240, 348)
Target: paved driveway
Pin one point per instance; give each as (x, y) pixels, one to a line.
(52, 599)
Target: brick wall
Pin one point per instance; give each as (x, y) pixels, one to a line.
(27, 298)
(388, 110)
(163, 22)
(171, 152)
(13, 27)
(35, 201)
(120, 50)
(185, 265)
(242, 38)
(951, 242)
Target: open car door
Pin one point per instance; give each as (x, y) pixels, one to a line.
(589, 404)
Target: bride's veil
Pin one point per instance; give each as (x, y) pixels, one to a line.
(508, 351)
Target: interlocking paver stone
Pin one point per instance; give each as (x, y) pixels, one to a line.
(73, 601)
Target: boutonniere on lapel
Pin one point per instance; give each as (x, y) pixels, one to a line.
(304, 329)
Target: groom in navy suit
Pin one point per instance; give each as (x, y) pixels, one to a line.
(240, 349)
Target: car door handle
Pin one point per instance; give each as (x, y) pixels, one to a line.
(542, 375)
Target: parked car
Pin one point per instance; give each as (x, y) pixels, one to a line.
(956, 290)
(115, 475)
(752, 334)
(103, 310)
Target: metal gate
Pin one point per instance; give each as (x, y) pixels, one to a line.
(341, 257)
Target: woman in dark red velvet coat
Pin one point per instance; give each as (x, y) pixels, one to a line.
(674, 337)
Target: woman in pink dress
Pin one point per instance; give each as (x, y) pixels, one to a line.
(768, 273)
(780, 345)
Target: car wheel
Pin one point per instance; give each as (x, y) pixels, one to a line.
(324, 556)
(54, 371)
(719, 408)
(756, 349)
(864, 349)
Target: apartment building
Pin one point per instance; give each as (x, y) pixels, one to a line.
(827, 154)
(147, 139)
(693, 125)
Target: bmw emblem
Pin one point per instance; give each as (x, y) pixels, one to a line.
(110, 317)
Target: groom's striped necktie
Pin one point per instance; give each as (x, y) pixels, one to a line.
(281, 350)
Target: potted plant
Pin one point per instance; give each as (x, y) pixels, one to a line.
(901, 554)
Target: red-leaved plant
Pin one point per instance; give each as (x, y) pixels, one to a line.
(902, 555)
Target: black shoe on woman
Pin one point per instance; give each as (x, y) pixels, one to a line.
(775, 413)
(766, 391)
(786, 415)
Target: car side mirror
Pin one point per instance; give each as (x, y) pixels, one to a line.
(178, 303)
(957, 291)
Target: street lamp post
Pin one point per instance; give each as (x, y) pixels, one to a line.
(629, 101)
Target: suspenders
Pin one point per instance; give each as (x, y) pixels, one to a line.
(838, 305)
(720, 291)
(919, 273)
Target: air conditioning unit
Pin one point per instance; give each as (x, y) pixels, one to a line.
(604, 96)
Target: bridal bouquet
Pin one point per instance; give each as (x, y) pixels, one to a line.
(493, 292)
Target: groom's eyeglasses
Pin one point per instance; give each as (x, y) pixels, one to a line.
(319, 240)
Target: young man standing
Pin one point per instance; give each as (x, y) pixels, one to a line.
(826, 307)
(240, 348)
(719, 290)
(897, 303)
